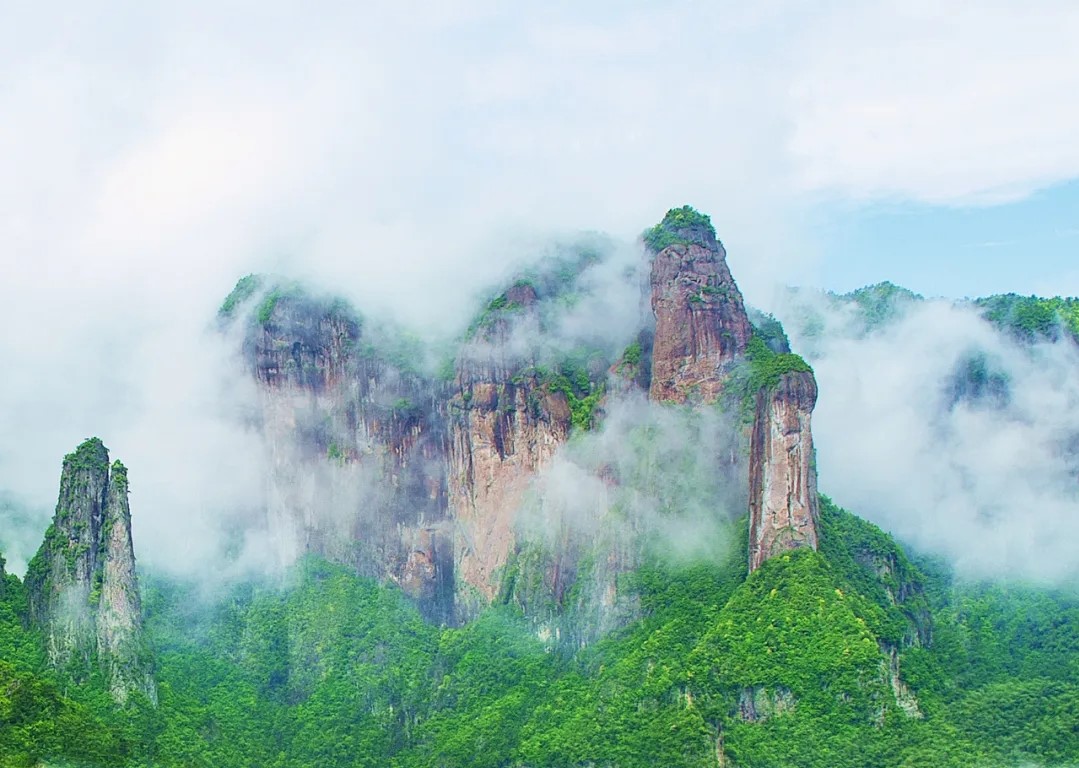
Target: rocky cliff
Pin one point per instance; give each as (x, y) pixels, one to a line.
(507, 423)
(783, 502)
(81, 583)
(404, 472)
(701, 324)
(421, 477)
(357, 442)
(706, 349)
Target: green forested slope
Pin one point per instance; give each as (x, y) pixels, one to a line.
(790, 666)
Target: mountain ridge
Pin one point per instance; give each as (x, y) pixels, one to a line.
(633, 581)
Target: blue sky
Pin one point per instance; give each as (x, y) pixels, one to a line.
(1027, 246)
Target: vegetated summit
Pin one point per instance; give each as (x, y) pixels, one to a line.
(557, 547)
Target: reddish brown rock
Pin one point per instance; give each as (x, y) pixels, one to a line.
(701, 322)
(403, 477)
(506, 426)
(783, 502)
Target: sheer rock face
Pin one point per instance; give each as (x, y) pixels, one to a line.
(701, 335)
(401, 476)
(380, 466)
(119, 616)
(506, 435)
(357, 445)
(783, 504)
(82, 584)
(428, 482)
(506, 426)
(701, 322)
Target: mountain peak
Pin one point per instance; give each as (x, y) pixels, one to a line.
(81, 583)
(682, 226)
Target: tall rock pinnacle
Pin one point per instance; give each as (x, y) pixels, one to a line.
(701, 323)
(119, 614)
(702, 334)
(81, 583)
(783, 503)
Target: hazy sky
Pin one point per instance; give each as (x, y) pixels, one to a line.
(820, 136)
(403, 152)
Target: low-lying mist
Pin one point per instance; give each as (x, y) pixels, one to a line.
(671, 478)
(987, 477)
(948, 432)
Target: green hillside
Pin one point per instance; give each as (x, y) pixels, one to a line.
(790, 666)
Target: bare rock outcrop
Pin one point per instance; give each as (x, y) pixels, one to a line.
(423, 479)
(783, 502)
(703, 334)
(506, 425)
(82, 584)
(701, 324)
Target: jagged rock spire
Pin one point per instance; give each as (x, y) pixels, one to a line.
(702, 334)
(81, 583)
(783, 503)
(701, 322)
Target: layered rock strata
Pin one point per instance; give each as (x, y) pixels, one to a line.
(421, 479)
(506, 425)
(357, 443)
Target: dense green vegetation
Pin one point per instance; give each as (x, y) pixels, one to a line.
(581, 377)
(767, 367)
(770, 330)
(880, 303)
(681, 226)
(90, 456)
(789, 666)
(1031, 318)
(246, 287)
(762, 369)
(1026, 318)
(41, 716)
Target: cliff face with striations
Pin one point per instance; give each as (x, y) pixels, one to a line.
(426, 480)
(702, 337)
(701, 322)
(119, 616)
(506, 425)
(81, 583)
(783, 502)
(357, 443)
(405, 475)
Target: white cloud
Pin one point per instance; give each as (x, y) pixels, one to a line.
(991, 486)
(400, 153)
(941, 103)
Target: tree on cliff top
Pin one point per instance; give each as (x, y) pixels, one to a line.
(681, 226)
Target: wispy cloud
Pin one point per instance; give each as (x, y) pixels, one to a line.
(992, 484)
(992, 244)
(400, 154)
